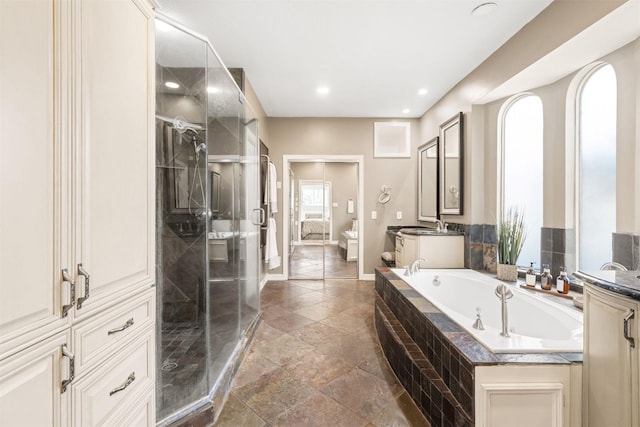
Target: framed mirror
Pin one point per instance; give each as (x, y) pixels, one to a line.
(451, 165)
(428, 181)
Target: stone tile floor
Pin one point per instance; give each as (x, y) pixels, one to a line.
(316, 361)
(320, 261)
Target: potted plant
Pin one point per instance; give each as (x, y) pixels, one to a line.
(511, 236)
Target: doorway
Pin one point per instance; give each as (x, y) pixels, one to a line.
(323, 208)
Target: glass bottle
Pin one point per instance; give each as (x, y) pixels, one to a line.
(546, 279)
(562, 284)
(530, 277)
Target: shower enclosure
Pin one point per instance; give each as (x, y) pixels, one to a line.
(208, 221)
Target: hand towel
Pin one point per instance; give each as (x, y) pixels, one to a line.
(271, 195)
(271, 256)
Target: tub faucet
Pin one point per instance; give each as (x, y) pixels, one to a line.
(414, 267)
(504, 293)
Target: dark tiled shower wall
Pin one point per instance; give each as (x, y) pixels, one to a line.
(626, 250)
(480, 249)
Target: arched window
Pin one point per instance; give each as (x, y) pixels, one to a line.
(596, 161)
(522, 168)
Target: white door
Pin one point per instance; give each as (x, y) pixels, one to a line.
(32, 236)
(30, 385)
(115, 152)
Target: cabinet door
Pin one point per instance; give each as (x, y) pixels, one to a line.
(116, 151)
(32, 234)
(610, 363)
(409, 250)
(30, 385)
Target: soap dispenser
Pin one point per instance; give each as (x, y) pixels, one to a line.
(530, 277)
(546, 279)
(562, 284)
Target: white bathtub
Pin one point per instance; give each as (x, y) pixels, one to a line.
(535, 324)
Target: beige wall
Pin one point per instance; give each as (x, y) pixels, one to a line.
(344, 136)
(545, 35)
(559, 22)
(557, 100)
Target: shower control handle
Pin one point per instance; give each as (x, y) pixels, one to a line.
(66, 277)
(630, 315)
(83, 272)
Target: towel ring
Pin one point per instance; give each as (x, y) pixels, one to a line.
(385, 195)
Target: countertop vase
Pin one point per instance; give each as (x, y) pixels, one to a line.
(507, 272)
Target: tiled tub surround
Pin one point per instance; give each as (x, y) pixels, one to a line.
(454, 379)
(557, 248)
(480, 245)
(626, 250)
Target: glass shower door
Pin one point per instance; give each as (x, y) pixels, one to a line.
(251, 218)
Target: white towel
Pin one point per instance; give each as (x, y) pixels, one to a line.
(271, 193)
(271, 256)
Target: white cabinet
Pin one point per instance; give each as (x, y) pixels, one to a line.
(438, 251)
(77, 188)
(115, 150)
(528, 396)
(30, 385)
(611, 359)
(406, 250)
(33, 242)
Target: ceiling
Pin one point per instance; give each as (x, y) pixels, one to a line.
(373, 56)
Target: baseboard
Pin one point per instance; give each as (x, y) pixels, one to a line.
(264, 281)
(368, 277)
(274, 277)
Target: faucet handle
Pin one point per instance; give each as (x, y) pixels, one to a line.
(407, 272)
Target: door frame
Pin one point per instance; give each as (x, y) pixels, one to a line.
(287, 159)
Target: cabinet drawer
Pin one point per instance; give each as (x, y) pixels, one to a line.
(108, 391)
(103, 334)
(140, 414)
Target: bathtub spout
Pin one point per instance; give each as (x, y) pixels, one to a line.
(504, 293)
(415, 266)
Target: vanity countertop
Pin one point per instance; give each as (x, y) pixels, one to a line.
(625, 283)
(427, 232)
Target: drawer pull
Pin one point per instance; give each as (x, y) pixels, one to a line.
(121, 328)
(72, 360)
(130, 379)
(628, 337)
(83, 272)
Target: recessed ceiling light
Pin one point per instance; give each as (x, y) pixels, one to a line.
(172, 85)
(484, 9)
(406, 111)
(422, 91)
(213, 89)
(322, 90)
